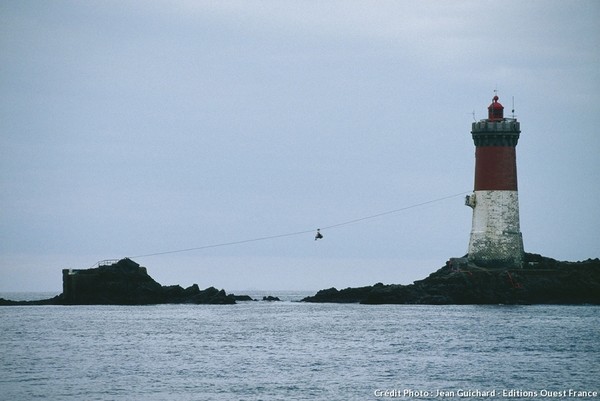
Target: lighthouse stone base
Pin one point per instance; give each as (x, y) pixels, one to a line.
(496, 240)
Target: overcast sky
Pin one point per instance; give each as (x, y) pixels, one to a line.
(136, 127)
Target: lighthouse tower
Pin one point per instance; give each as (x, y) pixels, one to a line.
(496, 239)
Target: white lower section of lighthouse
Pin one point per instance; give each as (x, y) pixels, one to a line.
(496, 239)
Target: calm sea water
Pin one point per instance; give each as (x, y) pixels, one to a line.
(298, 351)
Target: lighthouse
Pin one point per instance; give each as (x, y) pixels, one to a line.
(496, 239)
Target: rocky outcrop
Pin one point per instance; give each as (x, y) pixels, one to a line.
(541, 281)
(57, 300)
(243, 298)
(125, 283)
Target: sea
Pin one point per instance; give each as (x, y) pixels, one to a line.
(290, 350)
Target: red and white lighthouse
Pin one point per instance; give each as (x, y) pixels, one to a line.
(496, 239)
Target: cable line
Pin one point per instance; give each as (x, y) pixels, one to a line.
(224, 244)
(394, 211)
(300, 232)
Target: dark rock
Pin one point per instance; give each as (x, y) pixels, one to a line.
(243, 298)
(541, 281)
(57, 300)
(124, 283)
(192, 290)
(212, 296)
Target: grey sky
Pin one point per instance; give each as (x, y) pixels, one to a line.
(129, 128)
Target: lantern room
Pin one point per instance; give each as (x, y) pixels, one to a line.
(495, 110)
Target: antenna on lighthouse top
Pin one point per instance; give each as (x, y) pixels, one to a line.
(513, 107)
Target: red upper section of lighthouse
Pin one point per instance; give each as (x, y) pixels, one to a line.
(495, 110)
(495, 168)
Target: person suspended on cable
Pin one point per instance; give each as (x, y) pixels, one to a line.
(318, 235)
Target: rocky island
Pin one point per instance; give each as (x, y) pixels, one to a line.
(542, 280)
(125, 282)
